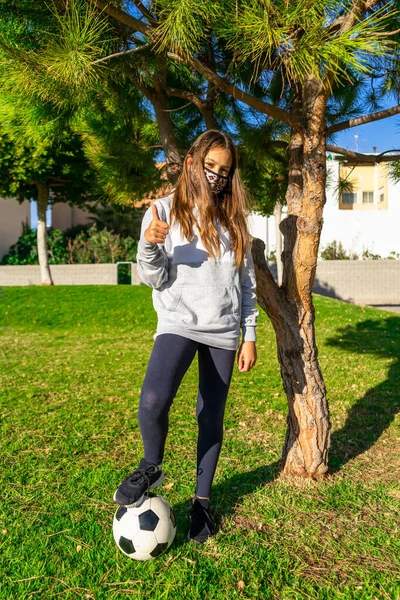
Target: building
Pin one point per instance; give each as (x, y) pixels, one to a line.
(362, 210)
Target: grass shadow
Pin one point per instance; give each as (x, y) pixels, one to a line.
(226, 496)
(375, 411)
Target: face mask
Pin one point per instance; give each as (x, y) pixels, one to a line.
(217, 182)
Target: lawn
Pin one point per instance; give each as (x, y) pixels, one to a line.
(72, 362)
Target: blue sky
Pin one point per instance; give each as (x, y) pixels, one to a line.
(384, 134)
(34, 219)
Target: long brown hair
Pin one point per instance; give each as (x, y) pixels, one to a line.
(231, 206)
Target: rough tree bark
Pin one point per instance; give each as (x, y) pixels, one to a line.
(43, 196)
(290, 308)
(167, 136)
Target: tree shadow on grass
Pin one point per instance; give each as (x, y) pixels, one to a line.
(226, 495)
(374, 412)
(366, 421)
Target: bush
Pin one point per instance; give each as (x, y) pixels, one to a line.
(393, 255)
(24, 251)
(336, 251)
(367, 255)
(82, 246)
(94, 246)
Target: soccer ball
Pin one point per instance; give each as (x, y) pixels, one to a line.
(144, 532)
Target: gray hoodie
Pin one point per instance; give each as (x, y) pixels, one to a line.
(204, 299)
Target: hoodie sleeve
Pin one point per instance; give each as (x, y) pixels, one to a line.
(151, 259)
(249, 317)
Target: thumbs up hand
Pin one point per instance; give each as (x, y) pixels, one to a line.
(157, 231)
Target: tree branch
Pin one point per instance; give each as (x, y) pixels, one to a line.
(123, 17)
(186, 95)
(170, 110)
(145, 12)
(358, 8)
(369, 158)
(350, 153)
(382, 114)
(264, 107)
(122, 53)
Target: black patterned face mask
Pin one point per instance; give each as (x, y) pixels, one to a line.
(217, 182)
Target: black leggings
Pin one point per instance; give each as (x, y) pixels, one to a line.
(170, 358)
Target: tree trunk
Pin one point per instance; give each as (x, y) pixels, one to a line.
(290, 308)
(158, 97)
(209, 118)
(167, 136)
(278, 237)
(43, 196)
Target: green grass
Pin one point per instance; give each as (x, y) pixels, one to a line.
(71, 368)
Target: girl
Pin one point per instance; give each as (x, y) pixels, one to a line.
(194, 252)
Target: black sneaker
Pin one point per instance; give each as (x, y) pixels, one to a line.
(132, 490)
(202, 524)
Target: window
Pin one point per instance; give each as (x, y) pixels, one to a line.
(368, 197)
(381, 196)
(349, 198)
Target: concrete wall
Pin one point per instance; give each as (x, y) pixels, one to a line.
(64, 216)
(100, 274)
(12, 215)
(360, 282)
(357, 281)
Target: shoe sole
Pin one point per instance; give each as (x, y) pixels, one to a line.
(142, 498)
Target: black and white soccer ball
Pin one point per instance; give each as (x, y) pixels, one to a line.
(144, 532)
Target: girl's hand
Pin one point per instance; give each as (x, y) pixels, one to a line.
(157, 230)
(247, 356)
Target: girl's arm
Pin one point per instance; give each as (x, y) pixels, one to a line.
(249, 316)
(152, 261)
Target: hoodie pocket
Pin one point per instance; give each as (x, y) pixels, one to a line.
(208, 307)
(167, 299)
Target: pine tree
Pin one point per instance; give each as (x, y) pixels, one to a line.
(304, 70)
(307, 54)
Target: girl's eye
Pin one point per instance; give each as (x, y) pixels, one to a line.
(210, 165)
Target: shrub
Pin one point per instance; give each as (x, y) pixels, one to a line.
(82, 245)
(367, 255)
(94, 246)
(393, 255)
(24, 251)
(336, 251)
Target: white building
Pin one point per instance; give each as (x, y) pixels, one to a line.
(364, 216)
